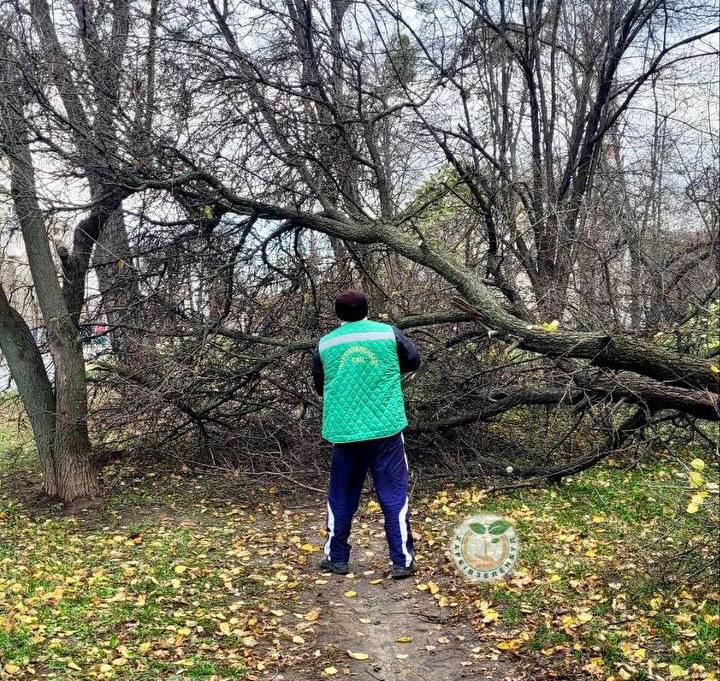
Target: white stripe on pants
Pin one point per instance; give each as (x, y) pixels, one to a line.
(331, 530)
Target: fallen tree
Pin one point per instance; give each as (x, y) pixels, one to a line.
(611, 350)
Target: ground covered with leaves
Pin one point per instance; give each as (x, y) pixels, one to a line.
(616, 579)
(204, 577)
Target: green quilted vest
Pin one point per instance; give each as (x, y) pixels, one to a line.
(362, 397)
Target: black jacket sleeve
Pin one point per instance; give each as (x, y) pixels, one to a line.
(318, 373)
(407, 352)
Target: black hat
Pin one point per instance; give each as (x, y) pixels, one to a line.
(351, 306)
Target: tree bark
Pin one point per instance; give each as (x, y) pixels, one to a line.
(121, 301)
(28, 371)
(74, 473)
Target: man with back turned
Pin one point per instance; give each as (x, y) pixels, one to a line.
(356, 368)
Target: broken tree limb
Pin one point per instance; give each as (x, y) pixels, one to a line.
(613, 351)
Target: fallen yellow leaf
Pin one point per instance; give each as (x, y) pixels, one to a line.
(357, 656)
(490, 615)
(696, 480)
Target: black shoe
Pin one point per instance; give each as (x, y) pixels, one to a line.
(337, 567)
(403, 571)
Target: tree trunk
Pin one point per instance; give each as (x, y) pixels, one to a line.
(74, 474)
(121, 301)
(28, 371)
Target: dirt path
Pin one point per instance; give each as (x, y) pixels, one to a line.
(402, 630)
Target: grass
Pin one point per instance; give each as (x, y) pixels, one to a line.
(158, 584)
(174, 579)
(80, 600)
(545, 637)
(608, 575)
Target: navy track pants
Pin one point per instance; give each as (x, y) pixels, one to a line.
(387, 462)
